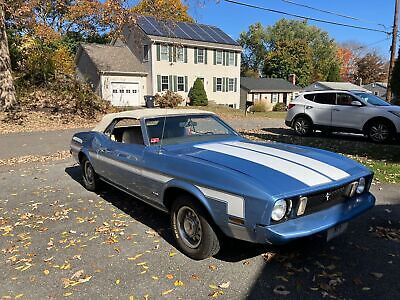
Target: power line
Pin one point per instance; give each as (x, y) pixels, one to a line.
(372, 44)
(304, 17)
(332, 13)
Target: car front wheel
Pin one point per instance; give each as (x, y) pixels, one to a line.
(380, 132)
(192, 231)
(302, 126)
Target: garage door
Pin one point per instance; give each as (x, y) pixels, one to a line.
(125, 94)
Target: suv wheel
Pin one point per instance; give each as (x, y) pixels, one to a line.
(192, 230)
(380, 132)
(302, 126)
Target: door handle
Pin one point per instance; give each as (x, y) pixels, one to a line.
(336, 109)
(309, 107)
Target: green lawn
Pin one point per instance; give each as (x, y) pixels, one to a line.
(227, 112)
(384, 160)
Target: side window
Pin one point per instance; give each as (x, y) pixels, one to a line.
(309, 97)
(325, 98)
(126, 131)
(344, 99)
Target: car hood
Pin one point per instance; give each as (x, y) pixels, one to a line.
(281, 169)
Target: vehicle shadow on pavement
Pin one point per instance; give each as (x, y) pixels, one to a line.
(350, 144)
(364, 262)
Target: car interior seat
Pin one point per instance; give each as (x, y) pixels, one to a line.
(132, 135)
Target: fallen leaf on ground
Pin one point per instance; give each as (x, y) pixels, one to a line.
(281, 290)
(178, 283)
(225, 285)
(167, 292)
(169, 276)
(216, 294)
(377, 275)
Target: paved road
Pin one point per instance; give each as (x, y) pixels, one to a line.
(51, 228)
(44, 143)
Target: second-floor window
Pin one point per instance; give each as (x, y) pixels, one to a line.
(219, 84)
(231, 58)
(200, 56)
(145, 52)
(164, 52)
(164, 83)
(218, 57)
(180, 54)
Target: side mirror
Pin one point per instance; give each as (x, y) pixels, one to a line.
(356, 103)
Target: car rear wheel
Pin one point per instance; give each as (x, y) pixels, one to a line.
(380, 132)
(192, 229)
(89, 176)
(302, 126)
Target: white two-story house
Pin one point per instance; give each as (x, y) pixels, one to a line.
(154, 56)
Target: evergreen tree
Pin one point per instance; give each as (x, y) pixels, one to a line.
(197, 94)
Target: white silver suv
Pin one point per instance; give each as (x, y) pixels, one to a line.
(343, 111)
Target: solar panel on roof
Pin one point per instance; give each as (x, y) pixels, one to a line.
(183, 30)
(207, 33)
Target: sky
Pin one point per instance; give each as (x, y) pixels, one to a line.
(236, 19)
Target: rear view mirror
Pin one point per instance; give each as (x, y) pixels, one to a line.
(356, 103)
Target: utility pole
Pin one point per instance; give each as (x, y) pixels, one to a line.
(393, 50)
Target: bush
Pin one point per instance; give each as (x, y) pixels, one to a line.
(65, 96)
(169, 99)
(261, 106)
(197, 94)
(279, 107)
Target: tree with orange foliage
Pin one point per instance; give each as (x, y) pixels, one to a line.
(173, 10)
(348, 64)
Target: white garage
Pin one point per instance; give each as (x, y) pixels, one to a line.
(125, 94)
(114, 73)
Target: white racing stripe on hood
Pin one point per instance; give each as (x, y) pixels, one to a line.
(299, 172)
(321, 167)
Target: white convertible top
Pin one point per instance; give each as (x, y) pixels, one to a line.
(145, 113)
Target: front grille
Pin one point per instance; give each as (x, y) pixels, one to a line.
(326, 199)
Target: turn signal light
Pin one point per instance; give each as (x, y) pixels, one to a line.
(302, 206)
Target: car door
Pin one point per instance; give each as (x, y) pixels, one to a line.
(346, 115)
(320, 110)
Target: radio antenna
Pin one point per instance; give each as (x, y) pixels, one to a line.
(163, 129)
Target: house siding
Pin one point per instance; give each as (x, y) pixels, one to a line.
(193, 70)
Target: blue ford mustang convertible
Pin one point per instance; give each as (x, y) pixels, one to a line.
(214, 182)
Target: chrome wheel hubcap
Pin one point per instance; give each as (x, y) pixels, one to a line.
(89, 173)
(379, 132)
(302, 126)
(189, 227)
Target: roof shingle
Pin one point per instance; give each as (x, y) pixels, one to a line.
(109, 58)
(267, 85)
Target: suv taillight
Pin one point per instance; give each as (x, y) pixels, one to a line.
(291, 105)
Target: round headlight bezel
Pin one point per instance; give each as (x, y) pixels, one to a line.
(362, 183)
(283, 206)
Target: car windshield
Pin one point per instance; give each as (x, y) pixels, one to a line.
(186, 129)
(372, 99)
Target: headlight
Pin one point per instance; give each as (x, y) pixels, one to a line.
(397, 113)
(279, 210)
(361, 185)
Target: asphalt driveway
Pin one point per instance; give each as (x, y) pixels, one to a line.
(59, 240)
